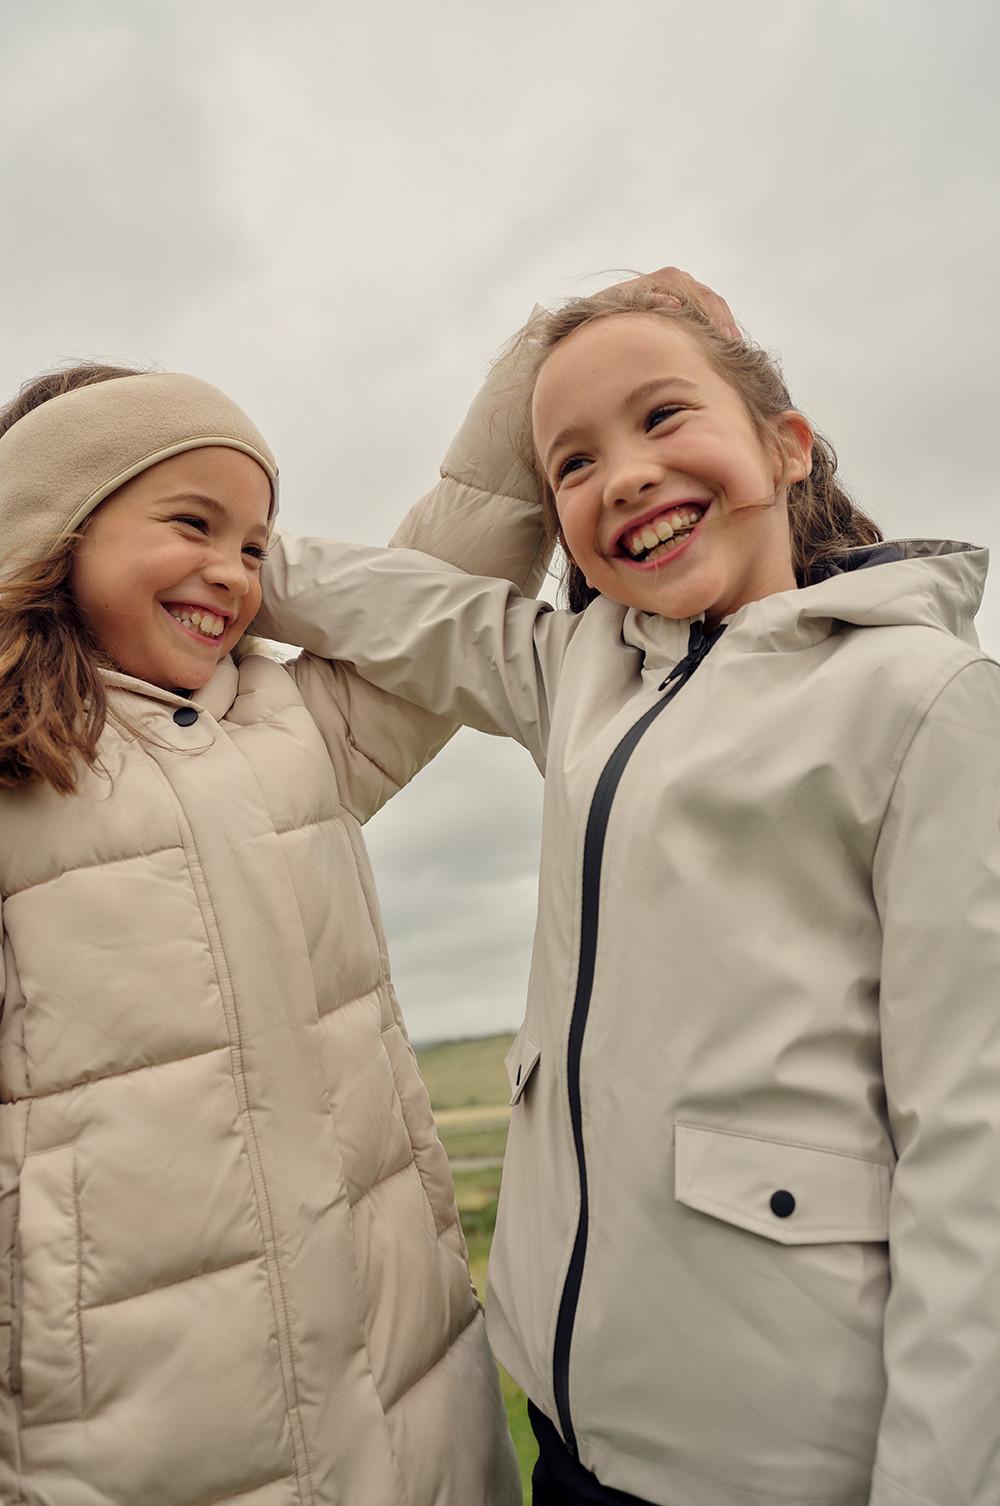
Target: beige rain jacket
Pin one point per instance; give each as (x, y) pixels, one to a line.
(231, 1268)
(748, 1250)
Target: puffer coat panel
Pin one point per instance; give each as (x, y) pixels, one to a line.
(231, 1267)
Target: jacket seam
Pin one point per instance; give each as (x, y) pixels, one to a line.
(452, 1219)
(419, 1380)
(390, 1176)
(150, 1291)
(474, 486)
(235, 1495)
(917, 720)
(374, 763)
(910, 1496)
(278, 1298)
(14, 1369)
(78, 1303)
(826, 1150)
(132, 857)
(88, 1082)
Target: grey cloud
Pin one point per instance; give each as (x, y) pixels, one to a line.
(340, 213)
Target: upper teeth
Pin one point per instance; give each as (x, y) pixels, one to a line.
(202, 621)
(658, 530)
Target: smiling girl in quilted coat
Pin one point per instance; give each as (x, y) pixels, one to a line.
(748, 1242)
(231, 1267)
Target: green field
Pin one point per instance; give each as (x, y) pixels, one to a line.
(468, 1088)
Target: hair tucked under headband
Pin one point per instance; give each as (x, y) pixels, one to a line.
(60, 461)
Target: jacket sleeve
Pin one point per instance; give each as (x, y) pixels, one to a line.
(468, 649)
(937, 887)
(483, 516)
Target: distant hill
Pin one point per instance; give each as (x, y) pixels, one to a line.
(466, 1073)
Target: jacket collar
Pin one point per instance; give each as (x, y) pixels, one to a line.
(910, 582)
(216, 697)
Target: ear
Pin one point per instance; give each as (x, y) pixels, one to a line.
(794, 439)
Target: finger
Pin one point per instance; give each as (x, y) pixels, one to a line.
(672, 280)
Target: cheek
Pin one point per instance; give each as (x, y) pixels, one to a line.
(575, 525)
(252, 601)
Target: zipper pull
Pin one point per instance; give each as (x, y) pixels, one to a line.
(699, 644)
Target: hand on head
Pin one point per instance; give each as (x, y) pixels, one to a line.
(676, 287)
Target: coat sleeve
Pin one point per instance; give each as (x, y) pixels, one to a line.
(468, 649)
(483, 516)
(937, 887)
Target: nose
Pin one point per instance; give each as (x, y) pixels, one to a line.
(229, 571)
(630, 475)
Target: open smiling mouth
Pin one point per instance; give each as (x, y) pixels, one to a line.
(659, 536)
(202, 624)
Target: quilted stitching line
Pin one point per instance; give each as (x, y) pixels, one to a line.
(278, 1298)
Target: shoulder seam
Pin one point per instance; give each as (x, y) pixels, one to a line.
(913, 724)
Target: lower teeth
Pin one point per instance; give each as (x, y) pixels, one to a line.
(666, 544)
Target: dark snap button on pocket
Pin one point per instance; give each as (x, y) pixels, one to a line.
(782, 1204)
(184, 716)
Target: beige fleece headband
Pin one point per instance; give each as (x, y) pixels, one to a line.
(62, 459)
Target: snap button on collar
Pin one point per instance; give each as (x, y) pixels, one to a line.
(184, 716)
(782, 1204)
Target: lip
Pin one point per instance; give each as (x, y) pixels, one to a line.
(193, 633)
(618, 552)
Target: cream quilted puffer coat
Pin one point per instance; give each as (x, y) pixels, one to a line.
(231, 1268)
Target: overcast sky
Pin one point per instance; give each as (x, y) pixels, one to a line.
(339, 211)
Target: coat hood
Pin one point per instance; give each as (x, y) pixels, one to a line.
(908, 583)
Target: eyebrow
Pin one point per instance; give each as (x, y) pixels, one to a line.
(637, 395)
(213, 505)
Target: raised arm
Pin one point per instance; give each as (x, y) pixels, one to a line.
(465, 648)
(937, 886)
(483, 515)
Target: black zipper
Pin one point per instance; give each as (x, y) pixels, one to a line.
(699, 643)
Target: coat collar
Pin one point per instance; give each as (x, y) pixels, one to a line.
(216, 697)
(911, 582)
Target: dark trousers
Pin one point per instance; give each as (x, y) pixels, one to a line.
(560, 1480)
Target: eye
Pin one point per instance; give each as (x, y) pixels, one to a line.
(569, 465)
(191, 520)
(660, 415)
(257, 552)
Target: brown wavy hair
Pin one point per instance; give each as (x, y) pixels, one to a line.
(52, 700)
(823, 519)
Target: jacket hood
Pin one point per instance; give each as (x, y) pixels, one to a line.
(933, 583)
(910, 582)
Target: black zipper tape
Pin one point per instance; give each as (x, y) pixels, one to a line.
(699, 644)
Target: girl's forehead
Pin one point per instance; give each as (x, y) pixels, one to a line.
(601, 362)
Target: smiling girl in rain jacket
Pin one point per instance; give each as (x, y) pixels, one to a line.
(748, 1246)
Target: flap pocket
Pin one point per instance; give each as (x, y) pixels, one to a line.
(795, 1194)
(520, 1061)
